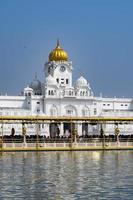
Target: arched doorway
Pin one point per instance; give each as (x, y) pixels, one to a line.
(84, 129)
(54, 130)
(68, 129)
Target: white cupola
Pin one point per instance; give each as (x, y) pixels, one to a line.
(28, 91)
(81, 82)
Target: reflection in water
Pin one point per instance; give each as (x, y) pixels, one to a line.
(66, 175)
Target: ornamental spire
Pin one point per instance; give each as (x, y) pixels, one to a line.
(58, 43)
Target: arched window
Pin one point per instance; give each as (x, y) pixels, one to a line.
(53, 111)
(70, 93)
(95, 111)
(29, 94)
(70, 110)
(86, 112)
(52, 92)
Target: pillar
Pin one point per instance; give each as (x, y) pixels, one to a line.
(24, 134)
(90, 129)
(79, 129)
(61, 129)
(47, 131)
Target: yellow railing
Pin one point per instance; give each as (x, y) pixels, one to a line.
(64, 118)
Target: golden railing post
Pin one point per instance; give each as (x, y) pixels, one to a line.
(117, 131)
(102, 136)
(24, 133)
(37, 136)
(71, 138)
(75, 135)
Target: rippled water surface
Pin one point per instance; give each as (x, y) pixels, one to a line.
(67, 175)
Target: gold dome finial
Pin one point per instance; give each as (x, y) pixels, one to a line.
(58, 43)
(58, 54)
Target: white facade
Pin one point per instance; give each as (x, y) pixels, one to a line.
(58, 96)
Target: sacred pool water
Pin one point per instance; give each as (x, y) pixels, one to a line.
(67, 175)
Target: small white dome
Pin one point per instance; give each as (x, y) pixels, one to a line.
(28, 89)
(35, 84)
(81, 82)
(50, 80)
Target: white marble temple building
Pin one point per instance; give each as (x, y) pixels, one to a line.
(58, 96)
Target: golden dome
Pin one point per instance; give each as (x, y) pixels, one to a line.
(58, 54)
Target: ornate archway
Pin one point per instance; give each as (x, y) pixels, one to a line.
(53, 110)
(54, 130)
(70, 110)
(85, 111)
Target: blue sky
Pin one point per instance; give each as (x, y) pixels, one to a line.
(97, 34)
